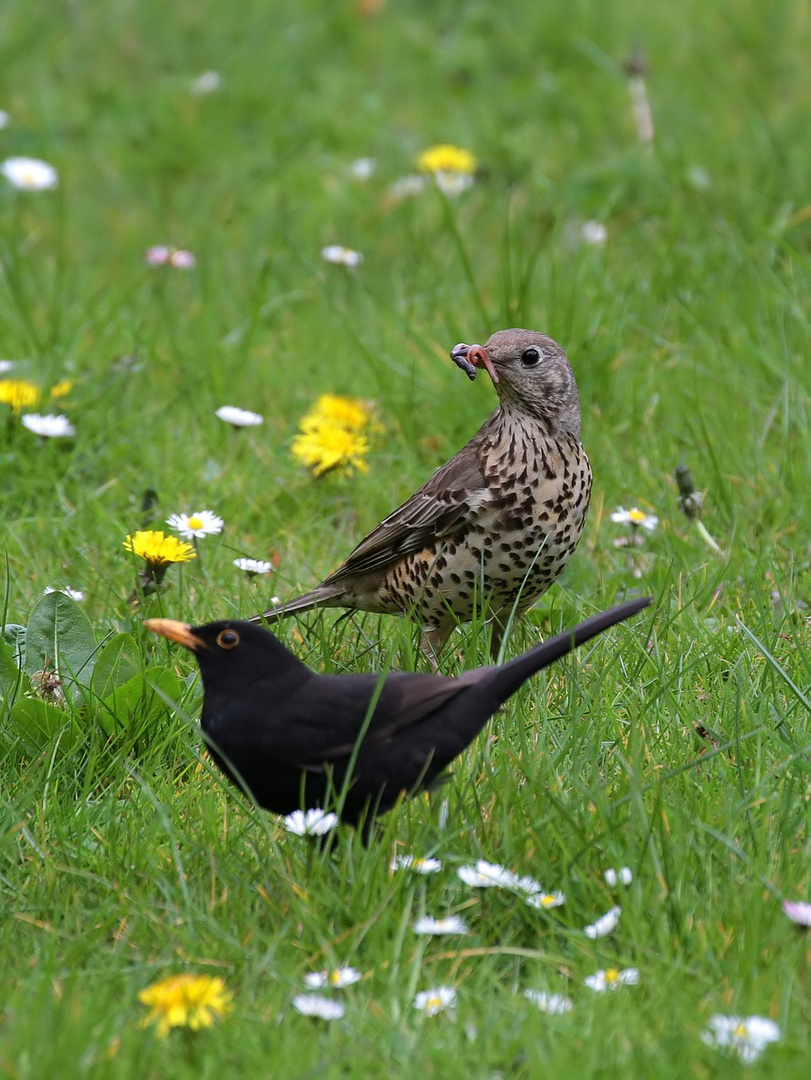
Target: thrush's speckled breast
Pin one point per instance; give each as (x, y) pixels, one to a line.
(495, 526)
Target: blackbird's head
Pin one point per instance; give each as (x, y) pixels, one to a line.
(532, 374)
(231, 654)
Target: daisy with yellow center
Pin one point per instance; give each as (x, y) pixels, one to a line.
(200, 523)
(611, 979)
(29, 174)
(192, 1001)
(337, 978)
(418, 863)
(635, 518)
(435, 1000)
(546, 900)
(18, 393)
(746, 1036)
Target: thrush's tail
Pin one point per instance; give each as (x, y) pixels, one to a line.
(507, 678)
(318, 597)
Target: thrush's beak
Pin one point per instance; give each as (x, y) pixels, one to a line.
(175, 631)
(470, 357)
(479, 357)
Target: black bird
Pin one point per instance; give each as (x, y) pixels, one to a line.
(292, 737)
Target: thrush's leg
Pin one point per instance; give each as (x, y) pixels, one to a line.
(432, 643)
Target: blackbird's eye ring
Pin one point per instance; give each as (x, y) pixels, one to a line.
(228, 639)
(531, 357)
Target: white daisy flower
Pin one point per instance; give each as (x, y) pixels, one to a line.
(5, 366)
(162, 255)
(451, 924)
(48, 427)
(605, 925)
(207, 83)
(611, 978)
(528, 885)
(253, 566)
(748, 1036)
(485, 875)
(635, 518)
(74, 594)
(416, 863)
(239, 417)
(310, 822)
(342, 256)
(436, 1000)
(545, 900)
(452, 183)
(799, 911)
(594, 232)
(158, 255)
(29, 174)
(182, 259)
(200, 523)
(320, 1007)
(337, 979)
(407, 187)
(554, 1004)
(623, 876)
(363, 168)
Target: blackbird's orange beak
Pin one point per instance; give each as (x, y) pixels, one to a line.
(175, 631)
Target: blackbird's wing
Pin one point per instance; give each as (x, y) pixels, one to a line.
(444, 504)
(406, 699)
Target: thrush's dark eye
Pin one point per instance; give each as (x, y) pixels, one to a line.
(228, 639)
(531, 357)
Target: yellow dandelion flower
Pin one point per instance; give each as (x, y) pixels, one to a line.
(62, 388)
(18, 393)
(445, 158)
(351, 413)
(158, 549)
(327, 446)
(192, 1001)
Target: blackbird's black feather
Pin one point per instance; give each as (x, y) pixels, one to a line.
(288, 735)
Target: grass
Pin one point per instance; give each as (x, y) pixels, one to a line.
(125, 858)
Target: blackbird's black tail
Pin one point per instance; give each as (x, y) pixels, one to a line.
(507, 678)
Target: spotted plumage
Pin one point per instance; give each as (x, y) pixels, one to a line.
(495, 526)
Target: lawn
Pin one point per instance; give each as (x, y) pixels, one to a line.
(675, 270)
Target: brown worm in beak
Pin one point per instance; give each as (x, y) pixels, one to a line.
(471, 357)
(478, 357)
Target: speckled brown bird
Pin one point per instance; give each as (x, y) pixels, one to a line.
(495, 526)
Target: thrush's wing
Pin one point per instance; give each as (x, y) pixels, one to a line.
(449, 499)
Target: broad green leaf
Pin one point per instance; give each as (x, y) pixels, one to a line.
(10, 674)
(35, 724)
(60, 638)
(14, 635)
(116, 663)
(136, 703)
